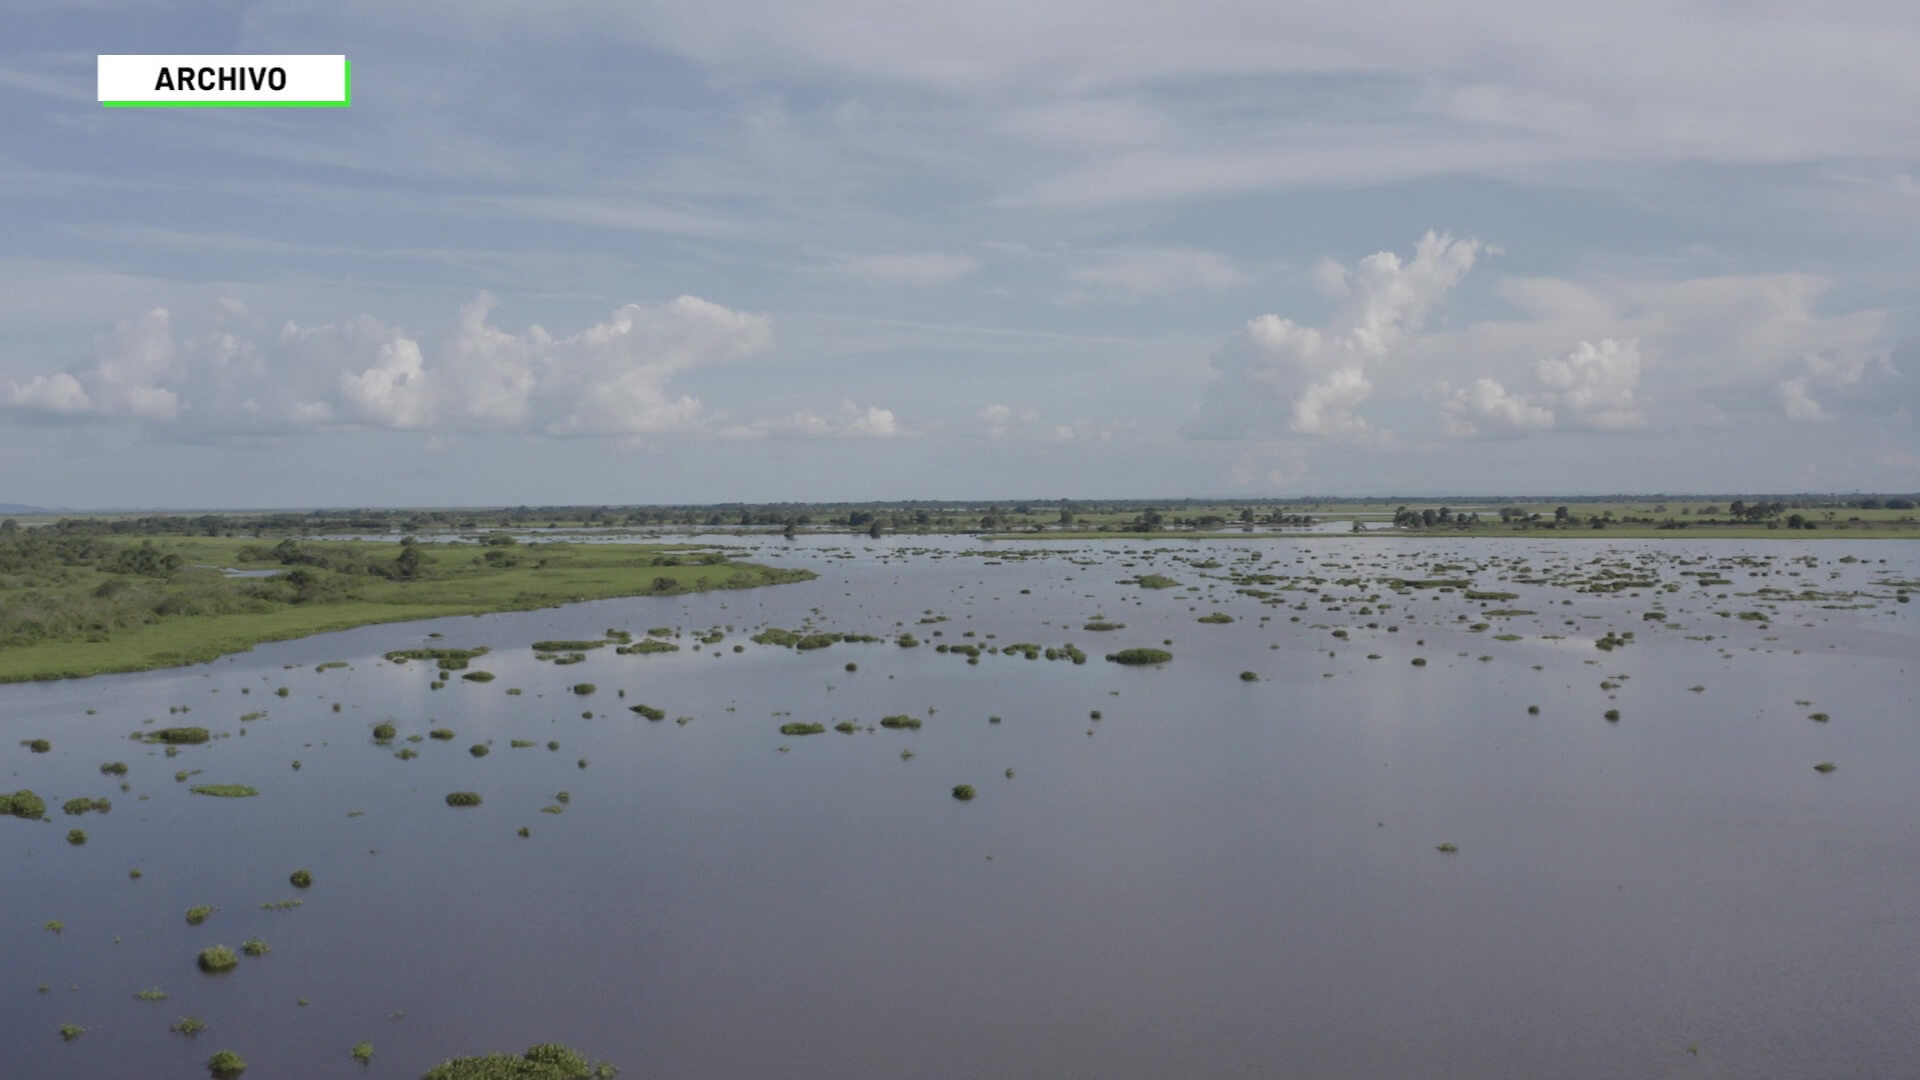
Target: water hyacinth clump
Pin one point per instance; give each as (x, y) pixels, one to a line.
(547, 1061)
(802, 729)
(1138, 657)
(463, 798)
(217, 958)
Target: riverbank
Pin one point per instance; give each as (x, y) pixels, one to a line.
(71, 621)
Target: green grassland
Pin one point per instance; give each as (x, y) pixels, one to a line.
(90, 605)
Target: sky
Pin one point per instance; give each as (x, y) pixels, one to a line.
(605, 252)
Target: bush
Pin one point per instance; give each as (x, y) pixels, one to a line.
(255, 947)
(963, 792)
(226, 1063)
(198, 915)
(76, 807)
(300, 879)
(478, 676)
(1140, 656)
(479, 749)
(39, 746)
(114, 768)
(801, 729)
(179, 735)
(384, 731)
(441, 733)
(76, 837)
(583, 689)
(901, 723)
(1248, 676)
(463, 798)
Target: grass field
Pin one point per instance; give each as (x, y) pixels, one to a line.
(453, 580)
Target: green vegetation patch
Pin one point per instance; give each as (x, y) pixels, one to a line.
(178, 735)
(463, 798)
(23, 804)
(649, 711)
(547, 1061)
(217, 958)
(1155, 581)
(802, 729)
(225, 791)
(76, 807)
(1137, 657)
(647, 645)
(901, 723)
(566, 646)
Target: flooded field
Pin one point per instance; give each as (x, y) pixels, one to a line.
(1488, 809)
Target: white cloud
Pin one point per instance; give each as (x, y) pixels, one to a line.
(1595, 384)
(1002, 420)
(1487, 406)
(852, 422)
(612, 379)
(1278, 376)
(1797, 402)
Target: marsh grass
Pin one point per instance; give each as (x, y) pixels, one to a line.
(255, 947)
(225, 791)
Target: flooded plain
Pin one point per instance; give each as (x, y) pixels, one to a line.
(1489, 809)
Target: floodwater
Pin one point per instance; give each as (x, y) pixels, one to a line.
(1216, 878)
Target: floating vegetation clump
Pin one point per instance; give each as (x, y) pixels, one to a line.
(901, 723)
(255, 947)
(188, 1025)
(70, 1032)
(479, 749)
(38, 746)
(1216, 617)
(478, 676)
(300, 879)
(76, 837)
(217, 958)
(463, 798)
(649, 711)
(845, 727)
(802, 729)
(198, 915)
(76, 807)
(566, 646)
(24, 804)
(384, 731)
(225, 1064)
(1248, 676)
(963, 792)
(443, 734)
(225, 791)
(178, 735)
(647, 645)
(1137, 657)
(1155, 581)
(114, 768)
(547, 1061)
(1825, 767)
(583, 689)
(1447, 849)
(363, 1052)
(447, 658)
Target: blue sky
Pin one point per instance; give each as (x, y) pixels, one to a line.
(606, 252)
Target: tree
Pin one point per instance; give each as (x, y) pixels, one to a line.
(1559, 514)
(788, 531)
(407, 565)
(875, 531)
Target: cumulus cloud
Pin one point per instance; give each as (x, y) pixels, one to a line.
(614, 378)
(1860, 383)
(1279, 377)
(1593, 387)
(1595, 383)
(1004, 419)
(1487, 406)
(852, 422)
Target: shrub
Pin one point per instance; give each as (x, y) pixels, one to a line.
(384, 731)
(178, 735)
(463, 798)
(114, 768)
(802, 729)
(963, 792)
(255, 947)
(198, 915)
(363, 1052)
(478, 676)
(441, 733)
(583, 689)
(479, 749)
(217, 958)
(70, 1032)
(1248, 676)
(76, 837)
(76, 807)
(844, 727)
(226, 1063)
(901, 723)
(300, 879)
(188, 1025)
(39, 746)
